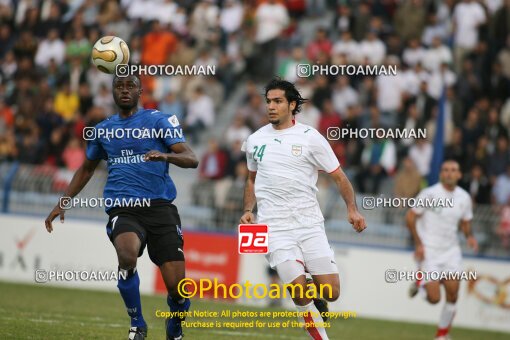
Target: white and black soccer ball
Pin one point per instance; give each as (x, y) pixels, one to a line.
(108, 52)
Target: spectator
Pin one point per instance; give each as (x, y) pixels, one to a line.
(321, 44)
(238, 131)
(410, 19)
(494, 129)
(231, 16)
(408, 180)
(329, 118)
(158, 45)
(254, 112)
(172, 106)
(50, 48)
(436, 55)
(79, 46)
(6, 39)
(421, 155)
(6, 116)
(467, 17)
(344, 96)
(501, 188)
(213, 165)
(200, 114)
(67, 103)
(500, 159)
(288, 68)
(26, 46)
(348, 47)
(309, 115)
(478, 185)
(104, 99)
(371, 50)
(389, 95)
(378, 161)
(204, 22)
(413, 54)
(271, 18)
(73, 155)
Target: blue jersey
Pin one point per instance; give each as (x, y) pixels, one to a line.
(124, 142)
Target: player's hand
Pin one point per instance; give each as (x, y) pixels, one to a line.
(472, 243)
(419, 252)
(54, 213)
(357, 220)
(155, 155)
(247, 218)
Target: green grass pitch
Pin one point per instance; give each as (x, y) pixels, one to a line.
(45, 312)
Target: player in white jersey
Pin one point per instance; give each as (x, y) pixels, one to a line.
(284, 158)
(435, 234)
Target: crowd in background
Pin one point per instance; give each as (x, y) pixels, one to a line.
(49, 91)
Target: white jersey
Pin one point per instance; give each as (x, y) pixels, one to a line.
(287, 163)
(438, 227)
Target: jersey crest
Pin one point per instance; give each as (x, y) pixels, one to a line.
(297, 150)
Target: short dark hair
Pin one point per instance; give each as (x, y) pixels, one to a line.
(115, 78)
(291, 93)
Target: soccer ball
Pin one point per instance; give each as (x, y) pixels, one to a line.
(108, 52)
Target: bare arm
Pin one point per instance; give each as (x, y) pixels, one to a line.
(347, 192)
(249, 199)
(411, 217)
(181, 155)
(465, 226)
(80, 179)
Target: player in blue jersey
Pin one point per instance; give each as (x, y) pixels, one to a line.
(138, 146)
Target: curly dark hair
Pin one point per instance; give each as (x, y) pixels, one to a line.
(291, 93)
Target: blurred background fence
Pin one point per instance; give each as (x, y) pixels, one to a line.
(217, 205)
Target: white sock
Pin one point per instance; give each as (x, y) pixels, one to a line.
(313, 315)
(447, 315)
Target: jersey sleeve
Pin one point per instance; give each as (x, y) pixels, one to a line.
(467, 214)
(251, 163)
(420, 209)
(322, 155)
(95, 150)
(171, 130)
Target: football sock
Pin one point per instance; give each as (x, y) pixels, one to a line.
(177, 305)
(129, 287)
(445, 321)
(313, 322)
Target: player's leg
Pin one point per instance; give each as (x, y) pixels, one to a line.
(449, 309)
(128, 239)
(172, 273)
(433, 290)
(166, 251)
(292, 272)
(451, 262)
(431, 263)
(320, 263)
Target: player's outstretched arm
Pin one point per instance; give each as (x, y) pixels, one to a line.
(249, 199)
(470, 239)
(80, 179)
(181, 155)
(345, 187)
(411, 217)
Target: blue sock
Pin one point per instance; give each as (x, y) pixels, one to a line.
(174, 327)
(181, 305)
(129, 287)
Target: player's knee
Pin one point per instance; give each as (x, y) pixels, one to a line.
(127, 258)
(332, 294)
(301, 300)
(433, 299)
(452, 297)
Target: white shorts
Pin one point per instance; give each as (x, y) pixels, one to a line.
(302, 245)
(449, 260)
